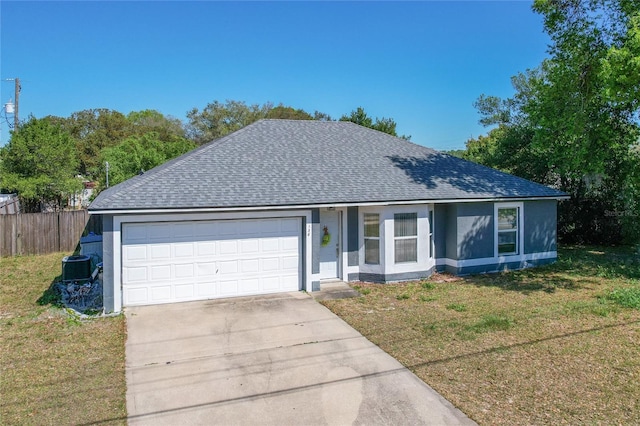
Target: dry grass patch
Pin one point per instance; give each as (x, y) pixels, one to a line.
(55, 369)
(552, 345)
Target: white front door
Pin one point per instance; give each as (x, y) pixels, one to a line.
(329, 244)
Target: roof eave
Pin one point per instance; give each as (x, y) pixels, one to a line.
(319, 205)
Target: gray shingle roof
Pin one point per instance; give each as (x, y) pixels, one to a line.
(291, 162)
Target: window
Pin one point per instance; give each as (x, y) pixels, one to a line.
(372, 238)
(508, 235)
(405, 227)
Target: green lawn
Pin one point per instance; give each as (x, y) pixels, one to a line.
(553, 345)
(55, 369)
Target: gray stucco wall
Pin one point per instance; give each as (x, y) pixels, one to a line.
(464, 230)
(451, 231)
(352, 236)
(107, 259)
(315, 241)
(439, 230)
(474, 230)
(540, 226)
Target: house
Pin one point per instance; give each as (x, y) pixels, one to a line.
(282, 205)
(9, 204)
(81, 199)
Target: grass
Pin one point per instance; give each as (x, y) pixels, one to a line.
(558, 344)
(54, 367)
(627, 297)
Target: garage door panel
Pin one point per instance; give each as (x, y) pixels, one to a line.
(250, 246)
(136, 296)
(270, 245)
(206, 248)
(158, 233)
(228, 247)
(249, 285)
(228, 267)
(252, 228)
(206, 269)
(183, 231)
(289, 243)
(250, 266)
(205, 230)
(136, 274)
(184, 270)
(174, 261)
(133, 253)
(160, 251)
(183, 250)
(291, 226)
(207, 289)
(184, 291)
(289, 281)
(228, 228)
(137, 233)
(270, 264)
(290, 263)
(271, 283)
(160, 272)
(228, 287)
(160, 293)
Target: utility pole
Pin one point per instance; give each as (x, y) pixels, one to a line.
(16, 120)
(12, 108)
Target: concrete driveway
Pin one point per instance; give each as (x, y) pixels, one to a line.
(280, 360)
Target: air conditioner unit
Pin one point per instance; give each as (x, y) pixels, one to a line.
(76, 268)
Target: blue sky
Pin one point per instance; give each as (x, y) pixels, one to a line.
(421, 63)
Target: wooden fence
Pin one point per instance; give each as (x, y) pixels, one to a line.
(42, 233)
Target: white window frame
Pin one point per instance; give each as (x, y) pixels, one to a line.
(409, 237)
(364, 228)
(520, 229)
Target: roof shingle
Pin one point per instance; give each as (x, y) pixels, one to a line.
(293, 162)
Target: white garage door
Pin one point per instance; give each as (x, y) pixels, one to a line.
(164, 262)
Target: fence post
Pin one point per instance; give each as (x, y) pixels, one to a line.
(19, 235)
(59, 233)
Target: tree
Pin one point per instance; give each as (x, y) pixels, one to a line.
(459, 153)
(137, 154)
(321, 116)
(217, 119)
(573, 121)
(283, 112)
(149, 120)
(386, 125)
(358, 116)
(94, 130)
(40, 165)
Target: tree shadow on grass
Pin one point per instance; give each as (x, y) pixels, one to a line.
(527, 281)
(52, 296)
(599, 261)
(576, 267)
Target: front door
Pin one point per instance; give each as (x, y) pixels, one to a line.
(329, 244)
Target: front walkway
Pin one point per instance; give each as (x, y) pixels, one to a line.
(335, 289)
